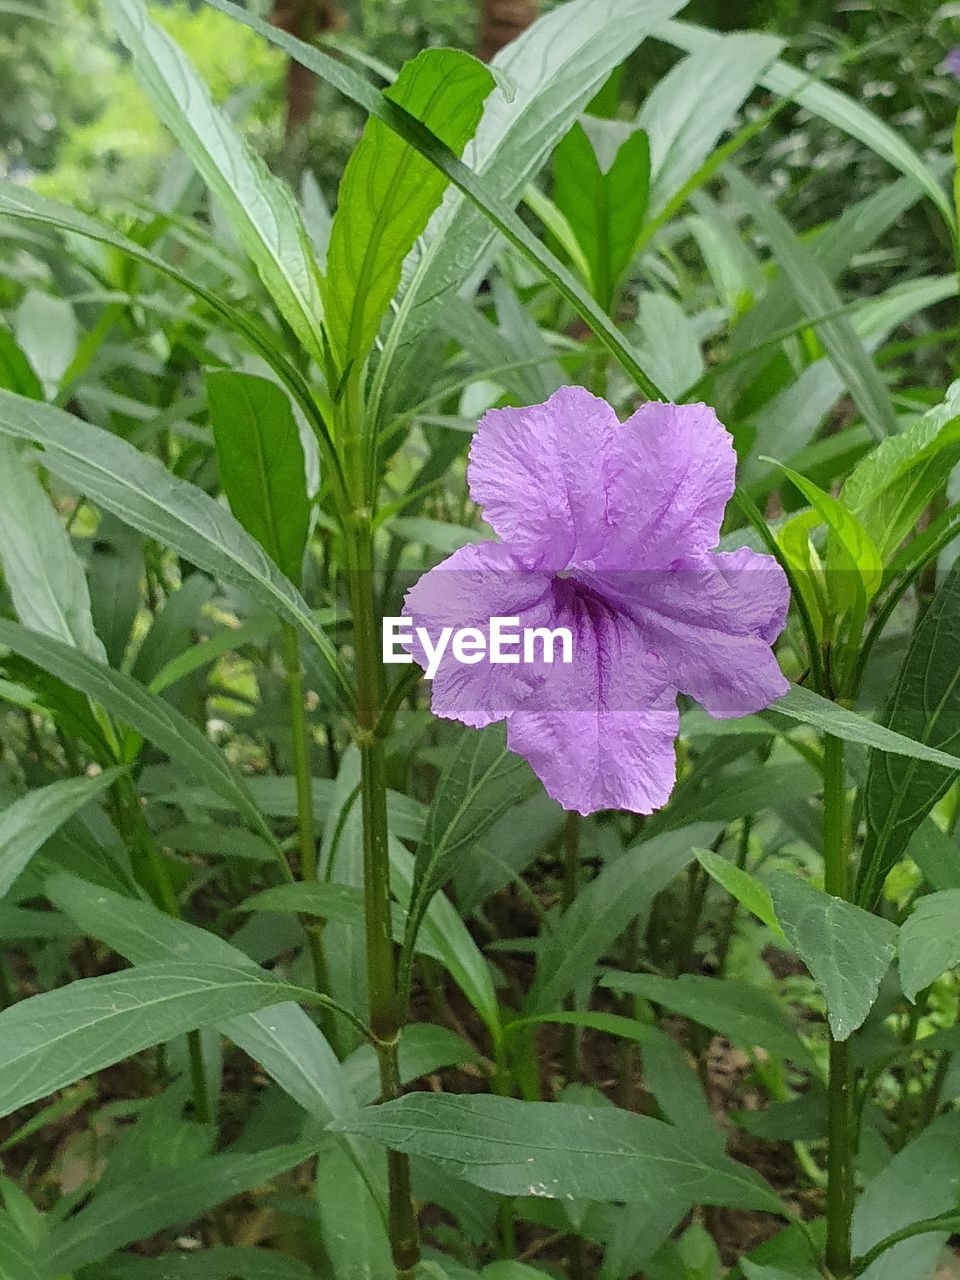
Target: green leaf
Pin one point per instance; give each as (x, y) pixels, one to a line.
(143, 493)
(27, 823)
(42, 571)
(114, 575)
(554, 68)
(327, 900)
(671, 347)
(388, 192)
(16, 373)
(925, 706)
(23, 205)
(747, 889)
(936, 854)
(260, 460)
(831, 105)
(438, 535)
(929, 941)
(847, 950)
(288, 1046)
(917, 1183)
(746, 1015)
(890, 488)
(460, 240)
(143, 1205)
(46, 329)
(152, 716)
(53, 1039)
(558, 1150)
(482, 781)
(623, 891)
(226, 1263)
(829, 717)
(817, 297)
(261, 211)
(601, 183)
(692, 105)
(351, 1223)
(857, 576)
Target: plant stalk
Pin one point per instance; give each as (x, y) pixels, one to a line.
(303, 780)
(300, 744)
(571, 884)
(381, 966)
(840, 1112)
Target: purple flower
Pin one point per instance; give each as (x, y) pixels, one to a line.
(951, 63)
(606, 530)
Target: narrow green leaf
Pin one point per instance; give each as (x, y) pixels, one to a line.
(831, 105)
(283, 1039)
(260, 459)
(143, 1205)
(809, 708)
(622, 891)
(153, 717)
(53, 1039)
(558, 1151)
(143, 493)
(747, 889)
(916, 1184)
(481, 782)
(858, 573)
(691, 106)
(925, 706)
(746, 1015)
(262, 212)
(16, 373)
(846, 949)
(228, 640)
(114, 575)
(388, 192)
(817, 297)
(465, 238)
(42, 571)
(27, 823)
(890, 488)
(929, 941)
(46, 329)
(230, 1262)
(23, 205)
(601, 183)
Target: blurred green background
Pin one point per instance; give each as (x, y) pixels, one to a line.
(73, 122)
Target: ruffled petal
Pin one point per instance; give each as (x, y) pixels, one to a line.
(675, 476)
(711, 619)
(542, 476)
(599, 732)
(475, 584)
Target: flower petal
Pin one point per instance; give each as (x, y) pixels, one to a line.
(599, 732)
(542, 474)
(475, 584)
(712, 618)
(676, 475)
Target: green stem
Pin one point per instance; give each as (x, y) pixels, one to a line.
(202, 1109)
(571, 883)
(303, 779)
(840, 1116)
(300, 742)
(726, 937)
(139, 836)
(381, 967)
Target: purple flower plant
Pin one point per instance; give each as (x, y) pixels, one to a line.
(951, 63)
(607, 530)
